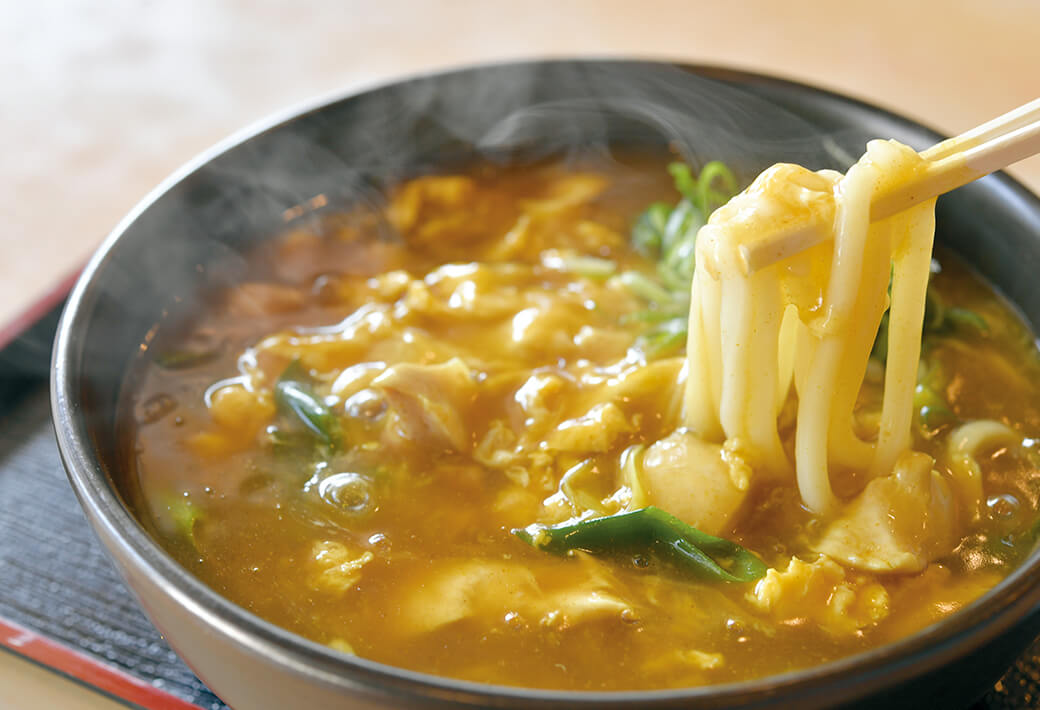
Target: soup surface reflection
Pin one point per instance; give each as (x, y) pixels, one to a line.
(345, 443)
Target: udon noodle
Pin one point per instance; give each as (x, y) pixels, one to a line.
(811, 320)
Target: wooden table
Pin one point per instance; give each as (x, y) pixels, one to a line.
(102, 100)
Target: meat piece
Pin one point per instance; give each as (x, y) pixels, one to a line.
(695, 481)
(426, 402)
(899, 523)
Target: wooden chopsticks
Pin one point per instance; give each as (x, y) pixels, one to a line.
(952, 163)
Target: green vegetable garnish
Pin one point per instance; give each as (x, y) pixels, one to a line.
(965, 320)
(590, 267)
(650, 530)
(648, 231)
(685, 182)
(710, 198)
(185, 517)
(939, 319)
(668, 235)
(644, 287)
(932, 409)
(665, 337)
(294, 395)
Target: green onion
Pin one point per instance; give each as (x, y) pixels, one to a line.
(650, 530)
(879, 349)
(644, 287)
(709, 197)
(963, 319)
(932, 409)
(681, 258)
(685, 182)
(648, 231)
(588, 266)
(185, 517)
(683, 222)
(663, 338)
(939, 319)
(668, 235)
(294, 395)
(934, 310)
(650, 316)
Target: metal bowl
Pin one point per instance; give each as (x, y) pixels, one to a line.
(190, 232)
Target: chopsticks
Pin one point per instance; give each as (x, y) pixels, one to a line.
(952, 163)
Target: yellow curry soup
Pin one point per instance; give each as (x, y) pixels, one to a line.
(347, 446)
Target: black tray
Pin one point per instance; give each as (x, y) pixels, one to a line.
(63, 605)
(56, 581)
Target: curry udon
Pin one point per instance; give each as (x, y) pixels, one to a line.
(379, 438)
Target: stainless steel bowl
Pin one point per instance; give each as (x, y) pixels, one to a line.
(190, 232)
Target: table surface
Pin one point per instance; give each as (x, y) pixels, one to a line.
(102, 100)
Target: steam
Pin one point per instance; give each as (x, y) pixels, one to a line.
(195, 236)
(347, 153)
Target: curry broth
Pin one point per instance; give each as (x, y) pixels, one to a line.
(472, 359)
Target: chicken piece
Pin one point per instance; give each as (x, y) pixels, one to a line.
(695, 481)
(426, 402)
(593, 432)
(823, 592)
(539, 399)
(460, 589)
(491, 590)
(899, 523)
(497, 448)
(546, 330)
(646, 387)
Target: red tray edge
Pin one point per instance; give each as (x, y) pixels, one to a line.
(86, 669)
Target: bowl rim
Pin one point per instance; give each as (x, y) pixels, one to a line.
(1011, 601)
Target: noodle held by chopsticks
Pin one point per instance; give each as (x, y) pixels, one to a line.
(810, 319)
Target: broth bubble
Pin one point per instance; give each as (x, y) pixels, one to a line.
(366, 404)
(1002, 506)
(350, 492)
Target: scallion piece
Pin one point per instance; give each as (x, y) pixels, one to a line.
(966, 320)
(644, 287)
(591, 267)
(668, 235)
(294, 395)
(648, 231)
(184, 517)
(651, 530)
